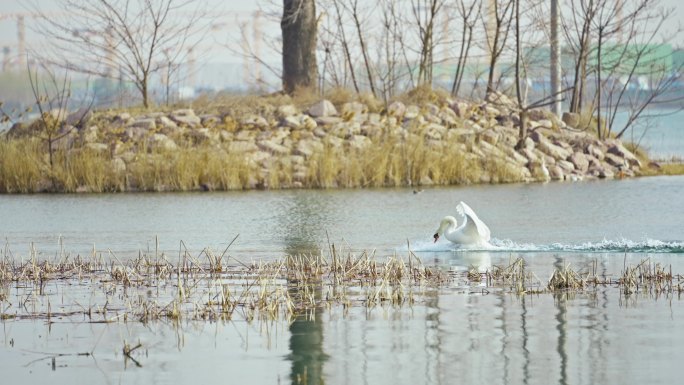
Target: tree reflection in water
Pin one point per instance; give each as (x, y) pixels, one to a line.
(303, 224)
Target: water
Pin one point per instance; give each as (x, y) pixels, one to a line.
(461, 336)
(589, 216)
(662, 134)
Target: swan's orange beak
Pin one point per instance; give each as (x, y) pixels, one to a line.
(436, 236)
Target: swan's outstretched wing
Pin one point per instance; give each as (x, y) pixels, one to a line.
(473, 226)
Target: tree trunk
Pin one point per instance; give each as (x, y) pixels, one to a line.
(555, 59)
(299, 31)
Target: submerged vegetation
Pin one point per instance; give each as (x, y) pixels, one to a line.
(213, 286)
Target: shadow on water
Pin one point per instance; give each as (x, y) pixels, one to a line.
(301, 223)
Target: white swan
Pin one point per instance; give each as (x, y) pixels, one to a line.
(472, 232)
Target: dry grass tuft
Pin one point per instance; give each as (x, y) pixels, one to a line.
(566, 279)
(213, 286)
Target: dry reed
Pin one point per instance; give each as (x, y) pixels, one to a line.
(216, 286)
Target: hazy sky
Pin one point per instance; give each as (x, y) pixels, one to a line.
(8, 31)
(229, 13)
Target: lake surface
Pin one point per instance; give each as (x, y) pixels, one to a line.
(463, 335)
(661, 132)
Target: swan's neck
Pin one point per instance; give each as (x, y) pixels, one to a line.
(448, 225)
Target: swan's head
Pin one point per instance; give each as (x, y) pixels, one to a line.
(443, 225)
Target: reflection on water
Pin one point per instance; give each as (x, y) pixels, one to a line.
(448, 336)
(306, 350)
(300, 223)
(456, 335)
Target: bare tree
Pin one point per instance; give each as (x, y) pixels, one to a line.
(425, 14)
(344, 41)
(616, 44)
(356, 16)
(577, 28)
(299, 28)
(498, 21)
(52, 97)
(633, 70)
(133, 38)
(469, 14)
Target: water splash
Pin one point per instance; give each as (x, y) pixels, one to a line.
(606, 245)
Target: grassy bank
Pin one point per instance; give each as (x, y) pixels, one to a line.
(277, 142)
(386, 161)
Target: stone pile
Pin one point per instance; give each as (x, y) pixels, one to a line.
(552, 149)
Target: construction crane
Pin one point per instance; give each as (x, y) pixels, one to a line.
(21, 40)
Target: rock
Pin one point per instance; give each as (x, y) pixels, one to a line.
(167, 123)
(556, 172)
(425, 180)
(308, 123)
(346, 129)
(258, 157)
(187, 120)
(604, 173)
(572, 119)
(618, 149)
(272, 147)
(319, 132)
(286, 110)
(580, 161)
(80, 117)
(490, 110)
(435, 131)
(255, 121)
(546, 123)
(615, 160)
(322, 108)
(246, 135)
(595, 151)
(203, 135)
(396, 109)
(209, 120)
(291, 122)
(163, 142)
(97, 147)
(529, 143)
(567, 167)
(145, 123)
(552, 150)
(515, 156)
(328, 120)
(491, 151)
(354, 110)
(90, 134)
(530, 155)
(461, 109)
(136, 133)
(240, 147)
(536, 136)
(491, 137)
(359, 142)
(500, 99)
(118, 165)
(448, 117)
(292, 160)
(334, 141)
(411, 112)
(308, 147)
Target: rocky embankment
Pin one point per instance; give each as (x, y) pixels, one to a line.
(482, 131)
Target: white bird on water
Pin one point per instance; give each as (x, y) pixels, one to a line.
(471, 232)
